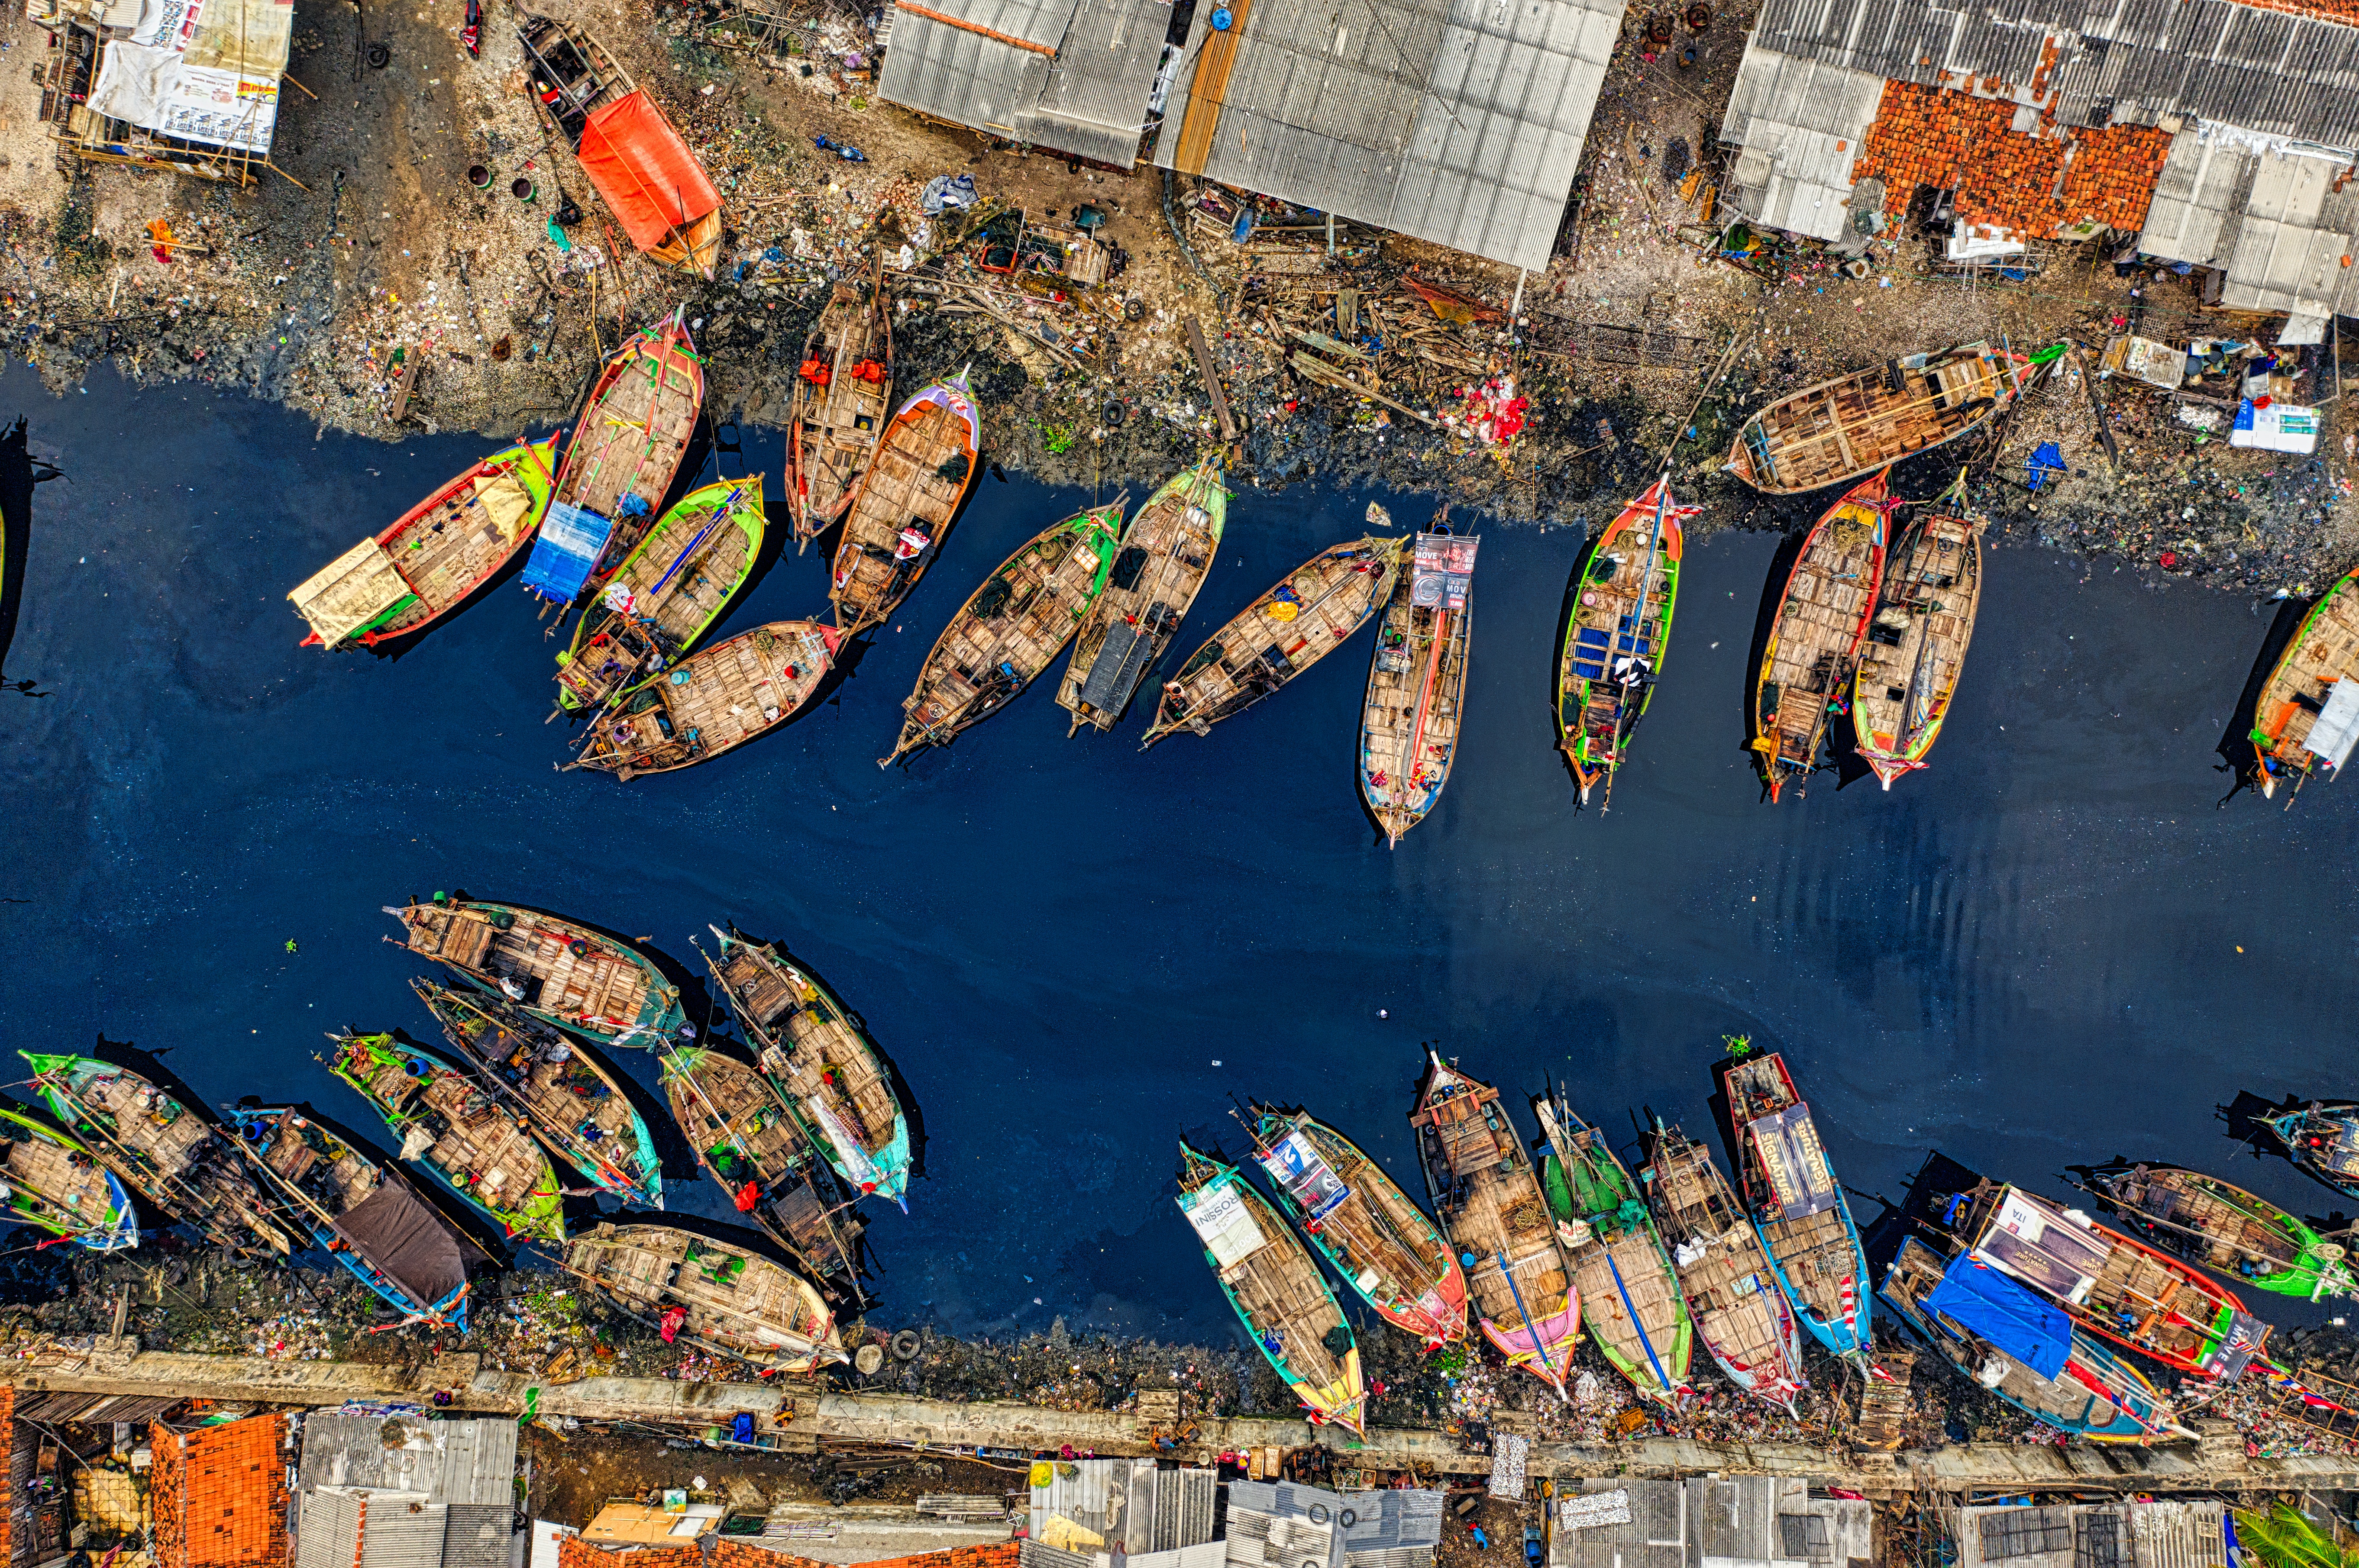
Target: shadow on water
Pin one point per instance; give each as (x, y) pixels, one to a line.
(1591, 538)
(2238, 756)
(19, 473)
(1774, 583)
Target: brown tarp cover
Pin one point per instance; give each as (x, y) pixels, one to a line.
(644, 170)
(407, 1241)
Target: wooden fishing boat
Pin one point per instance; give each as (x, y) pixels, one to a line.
(362, 1215)
(569, 1098)
(436, 555)
(1299, 622)
(1625, 589)
(1629, 1293)
(2223, 1227)
(1492, 1209)
(1168, 549)
(1010, 629)
(841, 398)
(904, 505)
(2306, 716)
(626, 449)
(710, 702)
(1276, 1288)
(1377, 1240)
(2008, 1342)
(2322, 1138)
(1416, 683)
(559, 972)
(749, 1140)
(817, 1055)
(723, 1298)
(168, 1152)
(1870, 420)
(1797, 1205)
(476, 1144)
(1807, 667)
(666, 593)
(1916, 643)
(2121, 1289)
(1740, 1311)
(56, 1184)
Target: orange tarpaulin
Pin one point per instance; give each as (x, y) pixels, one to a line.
(644, 170)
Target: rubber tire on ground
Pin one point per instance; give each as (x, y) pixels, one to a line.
(905, 1345)
(1136, 310)
(1115, 414)
(379, 56)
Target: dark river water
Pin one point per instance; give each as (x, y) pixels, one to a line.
(2051, 948)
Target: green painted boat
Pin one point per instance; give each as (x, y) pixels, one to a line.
(2223, 1227)
(1615, 631)
(1167, 549)
(667, 594)
(57, 1183)
(1629, 1293)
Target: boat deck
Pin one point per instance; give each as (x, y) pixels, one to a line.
(2232, 1236)
(1494, 1208)
(324, 1169)
(476, 1144)
(737, 1302)
(1167, 551)
(816, 1056)
(1285, 632)
(1916, 643)
(1379, 1240)
(1621, 616)
(2064, 1402)
(733, 691)
(598, 984)
(1410, 713)
(922, 469)
(744, 1133)
(2325, 654)
(631, 438)
(47, 1187)
(836, 427)
(448, 549)
(1731, 1291)
(1860, 423)
(196, 1176)
(1808, 662)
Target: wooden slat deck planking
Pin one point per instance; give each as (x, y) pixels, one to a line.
(631, 441)
(485, 1153)
(836, 427)
(349, 1177)
(1274, 640)
(1650, 1290)
(2327, 651)
(1281, 1290)
(1177, 537)
(1816, 1253)
(724, 1106)
(599, 984)
(48, 1182)
(699, 585)
(1604, 599)
(562, 1098)
(1848, 426)
(1730, 1290)
(219, 1196)
(447, 550)
(1404, 764)
(903, 486)
(1916, 640)
(1817, 630)
(730, 1294)
(1501, 1211)
(1376, 1231)
(2132, 1282)
(2231, 1235)
(820, 1056)
(735, 690)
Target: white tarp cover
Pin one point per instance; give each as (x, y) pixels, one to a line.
(1221, 1217)
(2337, 724)
(203, 70)
(1593, 1508)
(2301, 329)
(2279, 428)
(2036, 1241)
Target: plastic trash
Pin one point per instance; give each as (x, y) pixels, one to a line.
(945, 192)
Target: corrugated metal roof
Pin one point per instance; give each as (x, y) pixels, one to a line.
(329, 1534)
(1801, 122)
(478, 1535)
(1090, 100)
(2269, 217)
(1094, 105)
(448, 1461)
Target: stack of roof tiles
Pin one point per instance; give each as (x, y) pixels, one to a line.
(2009, 183)
(2324, 10)
(219, 1494)
(727, 1552)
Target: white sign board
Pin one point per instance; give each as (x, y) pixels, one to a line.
(1593, 1508)
(1227, 1226)
(204, 71)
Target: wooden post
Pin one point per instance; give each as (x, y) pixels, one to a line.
(1212, 375)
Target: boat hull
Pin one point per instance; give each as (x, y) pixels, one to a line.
(87, 1204)
(1629, 1293)
(835, 424)
(1623, 597)
(2317, 663)
(1411, 716)
(906, 501)
(526, 1204)
(579, 980)
(1176, 537)
(667, 594)
(633, 431)
(1933, 590)
(1797, 1206)
(1853, 425)
(1807, 664)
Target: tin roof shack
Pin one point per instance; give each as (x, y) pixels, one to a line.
(165, 84)
(1074, 76)
(2276, 223)
(1739, 1522)
(219, 1494)
(400, 1491)
(1799, 124)
(2088, 1535)
(1123, 1504)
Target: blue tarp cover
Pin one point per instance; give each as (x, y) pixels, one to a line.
(1984, 1301)
(568, 545)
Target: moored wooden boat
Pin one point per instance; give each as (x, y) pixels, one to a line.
(2125, 1291)
(2223, 1227)
(1010, 629)
(2306, 716)
(361, 1213)
(1813, 647)
(1275, 1288)
(434, 556)
(1416, 699)
(170, 1153)
(1629, 1293)
(55, 1183)
(1870, 420)
(1298, 622)
(1797, 1205)
(1997, 1335)
(2322, 1138)
(818, 1056)
(559, 972)
(1740, 1311)
(749, 1140)
(666, 593)
(1624, 594)
(905, 503)
(567, 1097)
(730, 1300)
(842, 396)
(1492, 1209)
(475, 1145)
(710, 702)
(1167, 549)
(1916, 643)
(1356, 1216)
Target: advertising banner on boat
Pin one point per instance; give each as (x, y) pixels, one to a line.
(1787, 1144)
(2035, 1242)
(1227, 1226)
(1444, 570)
(1298, 1169)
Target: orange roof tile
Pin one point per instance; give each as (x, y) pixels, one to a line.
(219, 1494)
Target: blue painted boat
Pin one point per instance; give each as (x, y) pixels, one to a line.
(1796, 1204)
(49, 1179)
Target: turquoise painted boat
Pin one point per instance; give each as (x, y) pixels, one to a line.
(1796, 1203)
(581, 980)
(55, 1183)
(666, 595)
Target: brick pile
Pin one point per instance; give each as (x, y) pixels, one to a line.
(219, 1494)
(2009, 181)
(2322, 10)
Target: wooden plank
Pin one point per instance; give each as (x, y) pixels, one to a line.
(1208, 92)
(1212, 375)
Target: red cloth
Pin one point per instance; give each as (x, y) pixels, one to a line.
(868, 370)
(747, 1196)
(644, 170)
(819, 373)
(672, 1318)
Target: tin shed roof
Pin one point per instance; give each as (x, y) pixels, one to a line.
(2267, 216)
(444, 1461)
(1801, 122)
(1071, 75)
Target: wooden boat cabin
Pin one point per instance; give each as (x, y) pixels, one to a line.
(1168, 549)
(1808, 664)
(1856, 424)
(1797, 1203)
(567, 974)
(723, 1298)
(842, 397)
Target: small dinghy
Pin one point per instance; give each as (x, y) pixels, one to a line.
(362, 1215)
(1625, 589)
(476, 1145)
(2306, 716)
(710, 702)
(1856, 424)
(1740, 1311)
(2322, 1138)
(435, 555)
(1492, 1208)
(723, 1298)
(1629, 1293)
(1796, 1203)
(841, 398)
(2223, 1228)
(1167, 550)
(666, 593)
(626, 449)
(920, 475)
(819, 1057)
(1276, 1290)
(1813, 648)
(55, 1183)
(168, 1152)
(1297, 623)
(1417, 684)
(1013, 627)
(1916, 643)
(559, 972)
(569, 1098)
